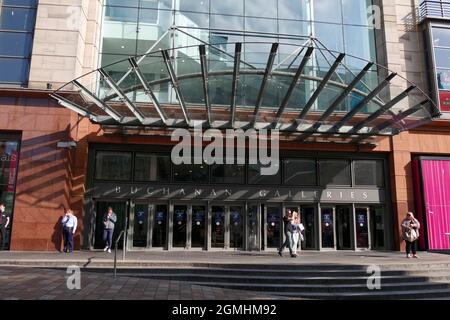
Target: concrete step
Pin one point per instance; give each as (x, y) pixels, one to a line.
(327, 288)
(282, 280)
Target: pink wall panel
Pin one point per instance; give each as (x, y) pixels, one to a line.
(436, 186)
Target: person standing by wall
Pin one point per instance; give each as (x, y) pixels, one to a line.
(411, 229)
(109, 222)
(4, 223)
(70, 223)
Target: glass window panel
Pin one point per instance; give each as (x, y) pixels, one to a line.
(441, 37)
(192, 19)
(443, 79)
(294, 9)
(442, 58)
(111, 165)
(261, 25)
(228, 174)
(122, 14)
(356, 12)
(150, 167)
(255, 8)
(227, 22)
(334, 172)
(194, 5)
(8, 164)
(292, 27)
(14, 70)
(15, 44)
(24, 3)
(328, 11)
(19, 19)
(255, 177)
(330, 35)
(301, 172)
(128, 3)
(149, 4)
(235, 7)
(190, 173)
(369, 173)
(364, 48)
(147, 16)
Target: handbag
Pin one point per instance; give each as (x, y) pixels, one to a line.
(411, 235)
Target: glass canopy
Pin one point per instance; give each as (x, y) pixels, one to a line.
(304, 90)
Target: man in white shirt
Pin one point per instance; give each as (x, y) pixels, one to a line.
(4, 223)
(69, 223)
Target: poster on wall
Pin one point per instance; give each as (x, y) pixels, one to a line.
(444, 98)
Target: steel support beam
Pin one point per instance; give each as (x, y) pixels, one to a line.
(147, 89)
(363, 103)
(74, 107)
(99, 103)
(381, 110)
(339, 100)
(269, 66)
(136, 112)
(292, 86)
(174, 80)
(236, 68)
(321, 86)
(204, 68)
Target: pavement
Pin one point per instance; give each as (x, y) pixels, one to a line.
(205, 258)
(18, 283)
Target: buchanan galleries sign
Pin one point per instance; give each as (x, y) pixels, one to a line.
(227, 193)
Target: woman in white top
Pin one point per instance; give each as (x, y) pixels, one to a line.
(296, 230)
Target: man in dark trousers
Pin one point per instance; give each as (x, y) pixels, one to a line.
(69, 223)
(287, 220)
(4, 223)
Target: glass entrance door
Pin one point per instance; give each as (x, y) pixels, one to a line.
(121, 211)
(362, 228)
(179, 232)
(344, 227)
(218, 226)
(140, 222)
(236, 227)
(159, 226)
(273, 226)
(253, 237)
(308, 219)
(377, 227)
(327, 227)
(198, 233)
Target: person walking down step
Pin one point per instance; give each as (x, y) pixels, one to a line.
(109, 221)
(69, 223)
(296, 230)
(287, 220)
(411, 232)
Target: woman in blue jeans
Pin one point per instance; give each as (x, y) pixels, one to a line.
(109, 221)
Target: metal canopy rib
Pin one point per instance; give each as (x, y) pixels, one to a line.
(399, 117)
(174, 80)
(204, 67)
(109, 111)
(269, 65)
(321, 86)
(292, 86)
(136, 112)
(74, 107)
(336, 103)
(147, 89)
(382, 110)
(236, 68)
(363, 103)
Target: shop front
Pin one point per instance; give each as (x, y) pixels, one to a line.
(341, 200)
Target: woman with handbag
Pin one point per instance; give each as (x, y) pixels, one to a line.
(296, 229)
(410, 233)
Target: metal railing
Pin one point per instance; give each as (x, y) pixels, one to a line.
(434, 9)
(121, 234)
